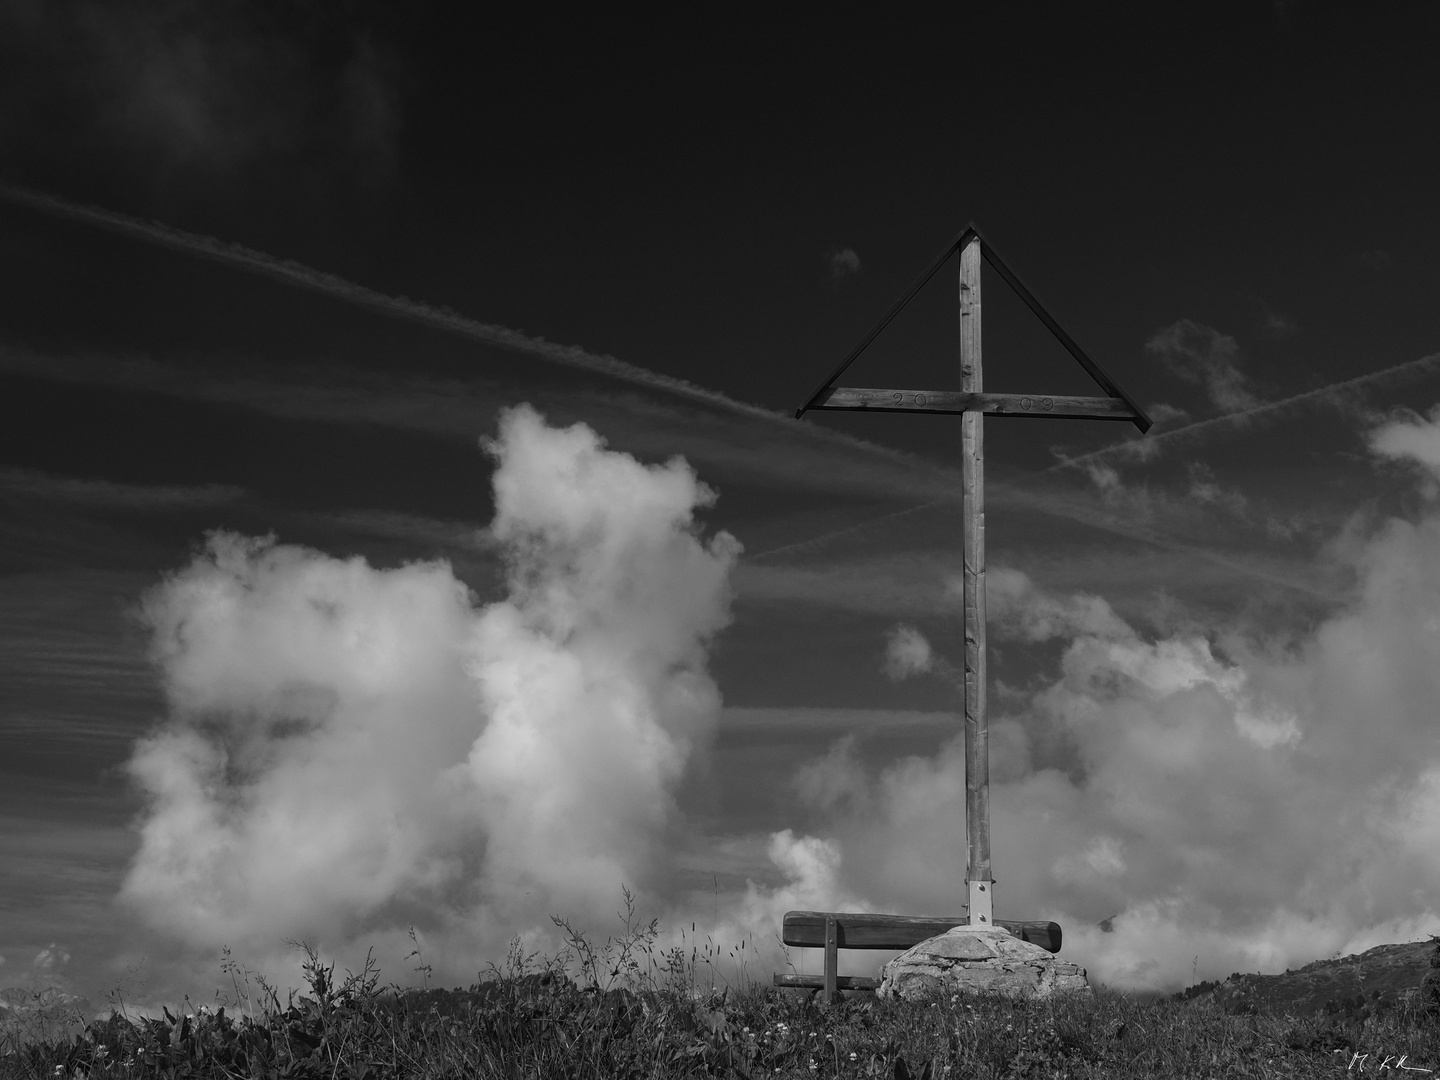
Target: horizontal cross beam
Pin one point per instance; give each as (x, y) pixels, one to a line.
(1054, 406)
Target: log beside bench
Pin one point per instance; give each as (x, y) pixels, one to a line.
(835, 930)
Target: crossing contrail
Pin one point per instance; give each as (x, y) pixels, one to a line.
(1269, 409)
(290, 272)
(293, 273)
(860, 526)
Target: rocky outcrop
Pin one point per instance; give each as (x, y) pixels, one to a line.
(989, 960)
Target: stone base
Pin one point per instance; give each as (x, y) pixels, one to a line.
(989, 959)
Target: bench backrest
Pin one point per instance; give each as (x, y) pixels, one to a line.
(858, 930)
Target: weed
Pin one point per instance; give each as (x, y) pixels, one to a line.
(620, 1010)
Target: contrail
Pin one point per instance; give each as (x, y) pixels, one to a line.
(1084, 515)
(860, 526)
(290, 272)
(1411, 368)
(293, 273)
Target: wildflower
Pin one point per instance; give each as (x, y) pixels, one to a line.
(100, 1052)
(813, 1066)
(854, 1056)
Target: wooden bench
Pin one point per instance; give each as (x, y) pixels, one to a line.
(835, 930)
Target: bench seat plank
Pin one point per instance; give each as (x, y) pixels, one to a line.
(861, 930)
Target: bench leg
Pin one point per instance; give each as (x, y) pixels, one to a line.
(832, 958)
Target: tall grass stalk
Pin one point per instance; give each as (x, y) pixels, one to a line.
(626, 1009)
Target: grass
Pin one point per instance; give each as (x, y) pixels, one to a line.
(622, 1010)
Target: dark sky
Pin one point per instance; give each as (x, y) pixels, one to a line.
(1230, 207)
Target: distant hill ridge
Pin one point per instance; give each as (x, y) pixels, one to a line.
(1379, 978)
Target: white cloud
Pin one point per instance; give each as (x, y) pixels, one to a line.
(1256, 803)
(352, 750)
(51, 958)
(1260, 806)
(907, 653)
(843, 261)
(811, 866)
(1202, 355)
(1411, 438)
(1102, 858)
(1017, 609)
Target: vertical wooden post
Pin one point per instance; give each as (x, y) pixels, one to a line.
(832, 958)
(977, 730)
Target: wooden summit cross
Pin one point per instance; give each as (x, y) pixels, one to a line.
(972, 405)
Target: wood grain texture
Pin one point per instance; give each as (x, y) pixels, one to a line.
(956, 402)
(832, 962)
(972, 480)
(863, 930)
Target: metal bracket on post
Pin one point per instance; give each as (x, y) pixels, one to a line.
(980, 910)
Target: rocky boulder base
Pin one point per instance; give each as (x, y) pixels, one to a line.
(966, 959)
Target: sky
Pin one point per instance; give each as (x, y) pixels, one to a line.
(407, 536)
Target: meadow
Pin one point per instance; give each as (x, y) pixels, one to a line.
(623, 1009)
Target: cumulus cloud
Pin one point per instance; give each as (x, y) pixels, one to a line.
(1208, 358)
(843, 261)
(907, 653)
(50, 958)
(1020, 611)
(1411, 438)
(1255, 803)
(353, 750)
